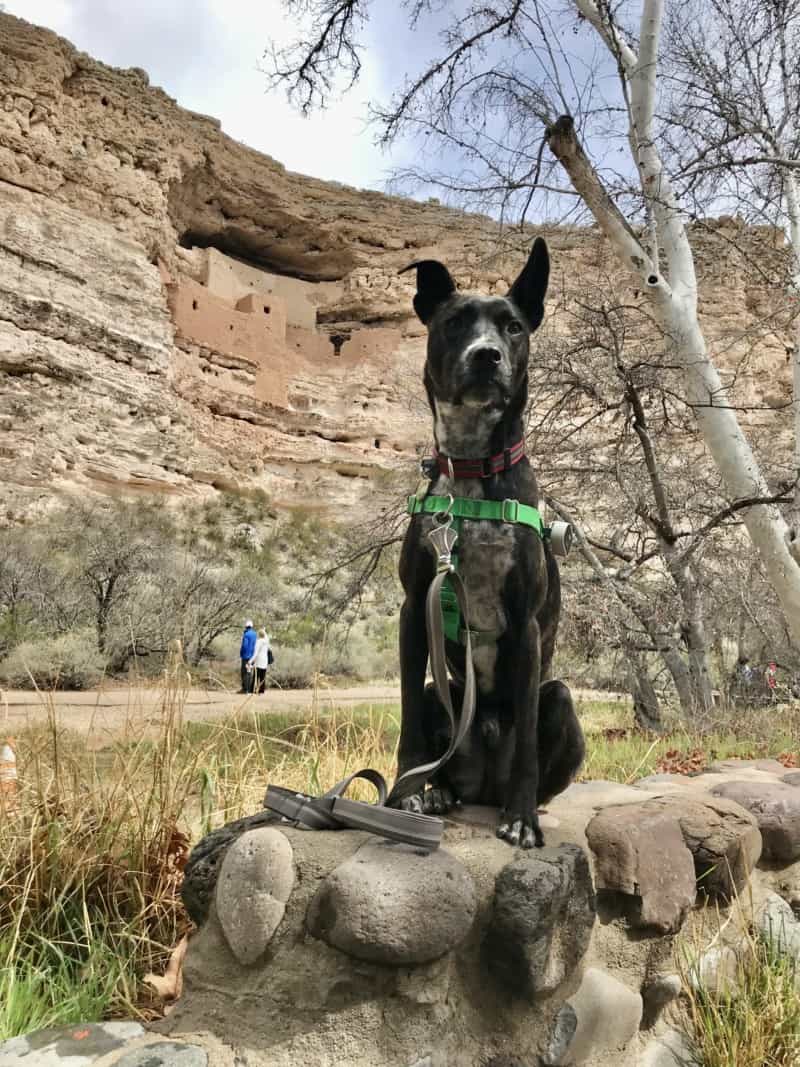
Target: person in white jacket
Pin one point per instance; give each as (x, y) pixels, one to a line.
(260, 661)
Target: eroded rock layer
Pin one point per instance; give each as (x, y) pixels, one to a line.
(179, 314)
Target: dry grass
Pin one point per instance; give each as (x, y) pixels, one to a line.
(753, 1020)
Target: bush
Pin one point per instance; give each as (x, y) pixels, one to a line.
(294, 668)
(69, 661)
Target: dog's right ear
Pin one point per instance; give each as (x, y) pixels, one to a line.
(434, 286)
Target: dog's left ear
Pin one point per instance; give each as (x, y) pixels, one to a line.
(434, 286)
(528, 291)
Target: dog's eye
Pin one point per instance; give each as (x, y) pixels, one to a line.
(514, 327)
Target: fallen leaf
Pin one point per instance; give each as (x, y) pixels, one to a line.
(169, 986)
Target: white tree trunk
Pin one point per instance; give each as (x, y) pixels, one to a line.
(675, 297)
(792, 192)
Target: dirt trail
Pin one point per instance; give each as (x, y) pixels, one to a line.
(104, 713)
(108, 711)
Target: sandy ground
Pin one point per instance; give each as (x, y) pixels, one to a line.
(107, 712)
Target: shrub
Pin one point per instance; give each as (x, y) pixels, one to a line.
(68, 661)
(294, 668)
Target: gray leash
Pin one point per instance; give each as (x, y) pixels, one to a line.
(334, 811)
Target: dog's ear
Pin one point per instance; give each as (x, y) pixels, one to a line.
(528, 291)
(434, 286)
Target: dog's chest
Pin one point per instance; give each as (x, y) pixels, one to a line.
(484, 554)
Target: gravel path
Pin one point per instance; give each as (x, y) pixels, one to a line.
(107, 712)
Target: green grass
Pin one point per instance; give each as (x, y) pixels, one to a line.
(628, 754)
(44, 984)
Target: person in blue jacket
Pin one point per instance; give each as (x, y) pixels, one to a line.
(246, 654)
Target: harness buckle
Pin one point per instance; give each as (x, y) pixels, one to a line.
(510, 511)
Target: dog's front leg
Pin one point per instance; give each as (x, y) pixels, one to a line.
(519, 820)
(414, 748)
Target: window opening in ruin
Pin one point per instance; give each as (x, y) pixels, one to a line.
(377, 442)
(104, 101)
(266, 310)
(231, 326)
(337, 340)
(194, 305)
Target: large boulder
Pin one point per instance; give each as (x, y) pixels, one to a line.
(391, 903)
(640, 852)
(542, 919)
(776, 807)
(722, 836)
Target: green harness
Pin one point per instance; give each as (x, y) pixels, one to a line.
(460, 508)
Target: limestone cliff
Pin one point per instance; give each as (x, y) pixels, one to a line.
(180, 314)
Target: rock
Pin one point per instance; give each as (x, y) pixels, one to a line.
(671, 1049)
(778, 924)
(542, 919)
(657, 993)
(792, 778)
(596, 794)
(723, 838)
(640, 851)
(391, 903)
(715, 970)
(78, 1045)
(205, 860)
(652, 781)
(255, 881)
(770, 766)
(165, 1054)
(776, 807)
(603, 1015)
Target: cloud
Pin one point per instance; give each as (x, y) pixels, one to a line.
(206, 53)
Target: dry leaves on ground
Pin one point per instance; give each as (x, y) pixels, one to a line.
(675, 761)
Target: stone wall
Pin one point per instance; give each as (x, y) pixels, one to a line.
(335, 949)
(231, 279)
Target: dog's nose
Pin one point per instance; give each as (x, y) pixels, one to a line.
(487, 358)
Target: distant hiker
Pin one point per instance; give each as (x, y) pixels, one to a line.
(771, 675)
(245, 655)
(261, 660)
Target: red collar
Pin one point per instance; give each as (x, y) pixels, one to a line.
(478, 468)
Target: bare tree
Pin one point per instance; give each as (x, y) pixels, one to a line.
(504, 74)
(732, 114)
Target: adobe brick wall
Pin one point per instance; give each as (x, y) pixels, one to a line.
(230, 279)
(203, 318)
(261, 304)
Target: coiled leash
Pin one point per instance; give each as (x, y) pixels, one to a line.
(334, 811)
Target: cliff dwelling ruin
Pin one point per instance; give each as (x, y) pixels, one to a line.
(180, 315)
(254, 331)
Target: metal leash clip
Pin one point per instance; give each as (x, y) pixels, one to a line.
(443, 537)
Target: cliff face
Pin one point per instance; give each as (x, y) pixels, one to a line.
(179, 314)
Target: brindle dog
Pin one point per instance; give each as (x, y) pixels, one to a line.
(526, 743)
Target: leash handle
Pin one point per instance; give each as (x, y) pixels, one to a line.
(415, 778)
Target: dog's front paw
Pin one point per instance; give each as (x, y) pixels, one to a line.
(520, 830)
(433, 801)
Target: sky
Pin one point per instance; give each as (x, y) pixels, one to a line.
(206, 54)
